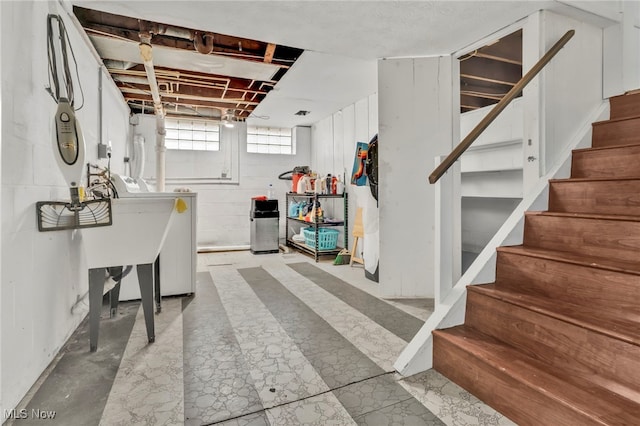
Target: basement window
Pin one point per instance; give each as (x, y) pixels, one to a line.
(192, 135)
(270, 140)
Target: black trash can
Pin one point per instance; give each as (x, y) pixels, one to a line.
(265, 231)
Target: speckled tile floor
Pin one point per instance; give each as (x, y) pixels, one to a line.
(266, 340)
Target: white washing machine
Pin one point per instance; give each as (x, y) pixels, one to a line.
(178, 257)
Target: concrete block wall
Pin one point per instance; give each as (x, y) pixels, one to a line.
(223, 208)
(43, 274)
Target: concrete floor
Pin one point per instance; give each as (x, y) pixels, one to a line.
(266, 340)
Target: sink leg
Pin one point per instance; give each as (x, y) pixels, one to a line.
(145, 279)
(156, 284)
(96, 287)
(114, 294)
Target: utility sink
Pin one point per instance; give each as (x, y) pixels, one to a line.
(139, 228)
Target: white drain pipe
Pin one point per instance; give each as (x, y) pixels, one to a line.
(147, 58)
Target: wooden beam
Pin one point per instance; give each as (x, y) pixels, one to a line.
(268, 53)
(488, 80)
(473, 85)
(476, 101)
(490, 70)
(495, 111)
(507, 49)
(498, 58)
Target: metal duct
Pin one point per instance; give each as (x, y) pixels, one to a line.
(171, 31)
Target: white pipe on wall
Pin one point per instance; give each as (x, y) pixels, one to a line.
(147, 57)
(160, 153)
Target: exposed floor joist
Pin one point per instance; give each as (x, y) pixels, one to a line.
(188, 89)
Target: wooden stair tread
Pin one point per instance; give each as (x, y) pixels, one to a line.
(616, 120)
(595, 179)
(576, 259)
(624, 326)
(594, 216)
(571, 390)
(603, 148)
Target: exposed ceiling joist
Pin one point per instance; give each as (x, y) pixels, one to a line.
(194, 69)
(268, 54)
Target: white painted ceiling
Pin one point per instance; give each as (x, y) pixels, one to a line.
(342, 39)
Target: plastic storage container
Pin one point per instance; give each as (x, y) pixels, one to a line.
(327, 238)
(294, 209)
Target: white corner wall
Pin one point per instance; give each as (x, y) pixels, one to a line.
(223, 208)
(334, 141)
(43, 274)
(416, 107)
(570, 85)
(622, 49)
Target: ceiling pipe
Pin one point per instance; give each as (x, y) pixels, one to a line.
(205, 47)
(202, 42)
(172, 31)
(147, 58)
(212, 114)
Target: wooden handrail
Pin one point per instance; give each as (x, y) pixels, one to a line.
(473, 135)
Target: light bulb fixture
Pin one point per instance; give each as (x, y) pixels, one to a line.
(229, 118)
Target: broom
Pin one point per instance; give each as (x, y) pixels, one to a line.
(343, 258)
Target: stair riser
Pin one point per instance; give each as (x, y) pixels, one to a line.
(614, 239)
(566, 282)
(625, 106)
(617, 163)
(521, 403)
(553, 341)
(614, 133)
(601, 197)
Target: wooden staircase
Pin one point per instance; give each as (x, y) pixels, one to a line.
(556, 339)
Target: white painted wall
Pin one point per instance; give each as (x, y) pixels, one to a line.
(570, 85)
(43, 274)
(481, 219)
(334, 142)
(2, 85)
(416, 110)
(492, 166)
(223, 209)
(622, 49)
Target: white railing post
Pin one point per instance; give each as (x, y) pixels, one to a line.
(448, 232)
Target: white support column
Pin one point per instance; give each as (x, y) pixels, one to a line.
(417, 121)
